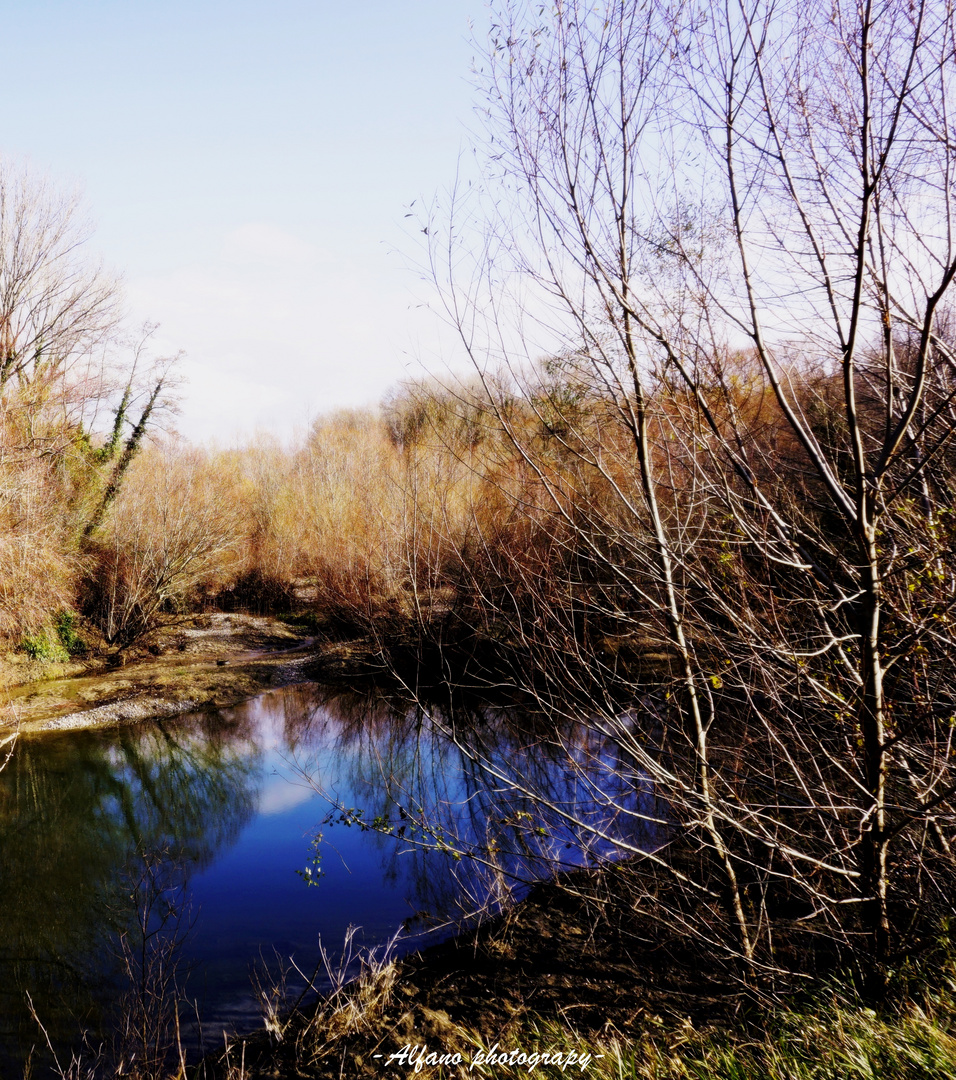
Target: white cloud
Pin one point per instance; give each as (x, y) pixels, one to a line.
(280, 795)
(276, 330)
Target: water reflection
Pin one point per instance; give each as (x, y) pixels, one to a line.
(78, 812)
(511, 794)
(224, 810)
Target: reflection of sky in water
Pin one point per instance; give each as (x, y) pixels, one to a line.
(279, 794)
(251, 903)
(227, 794)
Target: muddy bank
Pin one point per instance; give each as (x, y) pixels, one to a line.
(212, 660)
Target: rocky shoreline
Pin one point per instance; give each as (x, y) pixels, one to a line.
(206, 661)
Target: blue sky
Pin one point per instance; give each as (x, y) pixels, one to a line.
(247, 166)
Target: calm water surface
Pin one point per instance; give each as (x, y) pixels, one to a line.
(200, 831)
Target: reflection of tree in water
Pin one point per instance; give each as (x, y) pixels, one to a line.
(482, 800)
(78, 814)
(83, 814)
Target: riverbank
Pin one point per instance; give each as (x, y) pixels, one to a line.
(571, 969)
(208, 660)
(553, 962)
(551, 988)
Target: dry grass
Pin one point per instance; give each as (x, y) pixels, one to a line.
(393, 519)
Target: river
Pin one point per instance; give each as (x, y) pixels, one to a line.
(204, 854)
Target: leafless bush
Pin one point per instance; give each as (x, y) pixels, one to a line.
(171, 530)
(737, 235)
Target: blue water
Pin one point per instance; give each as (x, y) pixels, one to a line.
(253, 904)
(199, 832)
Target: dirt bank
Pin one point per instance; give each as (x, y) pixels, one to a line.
(207, 660)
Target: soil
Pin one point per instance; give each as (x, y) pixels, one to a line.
(212, 660)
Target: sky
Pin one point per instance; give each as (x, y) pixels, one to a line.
(248, 166)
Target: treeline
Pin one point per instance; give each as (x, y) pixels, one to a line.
(499, 523)
(403, 522)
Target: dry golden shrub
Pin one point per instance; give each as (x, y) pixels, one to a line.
(173, 532)
(40, 490)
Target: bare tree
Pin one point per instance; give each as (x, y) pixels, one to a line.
(64, 356)
(55, 306)
(734, 228)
